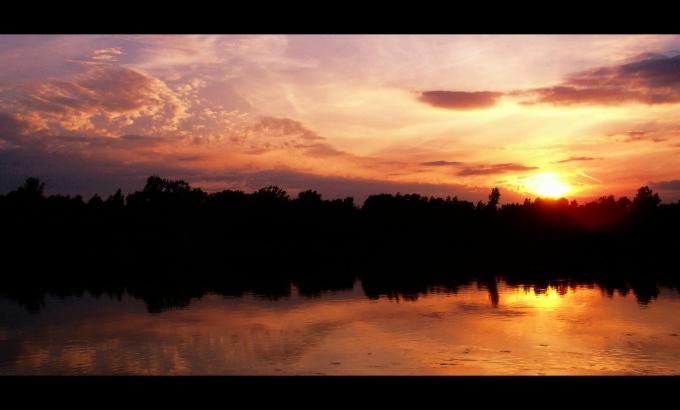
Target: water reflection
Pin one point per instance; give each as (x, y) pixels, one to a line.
(160, 295)
(370, 326)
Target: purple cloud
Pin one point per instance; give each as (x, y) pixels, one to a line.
(653, 79)
(460, 100)
(11, 128)
(673, 185)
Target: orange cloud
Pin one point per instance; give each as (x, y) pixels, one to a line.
(271, 133)
(104, 99)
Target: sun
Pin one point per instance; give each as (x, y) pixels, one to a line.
(547, 185)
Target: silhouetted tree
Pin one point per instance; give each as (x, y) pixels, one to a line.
(270, 194)
(309, 196)
(116, 200)
(33, 186)
(645, 201)
(494, 198)
(95, 203)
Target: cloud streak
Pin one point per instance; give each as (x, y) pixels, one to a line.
(494, 169)
(573, 159)
(440, 163)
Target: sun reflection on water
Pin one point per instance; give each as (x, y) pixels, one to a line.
(544, 298)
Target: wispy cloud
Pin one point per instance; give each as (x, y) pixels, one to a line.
(636, 136)
(108, 54)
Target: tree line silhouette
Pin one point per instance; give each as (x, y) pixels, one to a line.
(169, 229)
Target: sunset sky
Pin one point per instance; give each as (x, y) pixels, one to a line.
(578, 116)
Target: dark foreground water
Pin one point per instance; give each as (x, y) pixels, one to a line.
(476, 328)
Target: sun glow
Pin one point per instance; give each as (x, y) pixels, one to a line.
(547, 185)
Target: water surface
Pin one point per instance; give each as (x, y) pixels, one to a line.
(477, 328)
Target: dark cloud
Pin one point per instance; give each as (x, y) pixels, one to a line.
(494, 169)
(73, 173)
(189, 159)
(673, 185)
(11, 128)
(653, 70)
(572, 159)
(66, 174)
(460, 100)
(669, 191)
(653, 79)
(440, 163)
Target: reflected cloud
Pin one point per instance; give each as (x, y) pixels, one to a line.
(483, 309)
